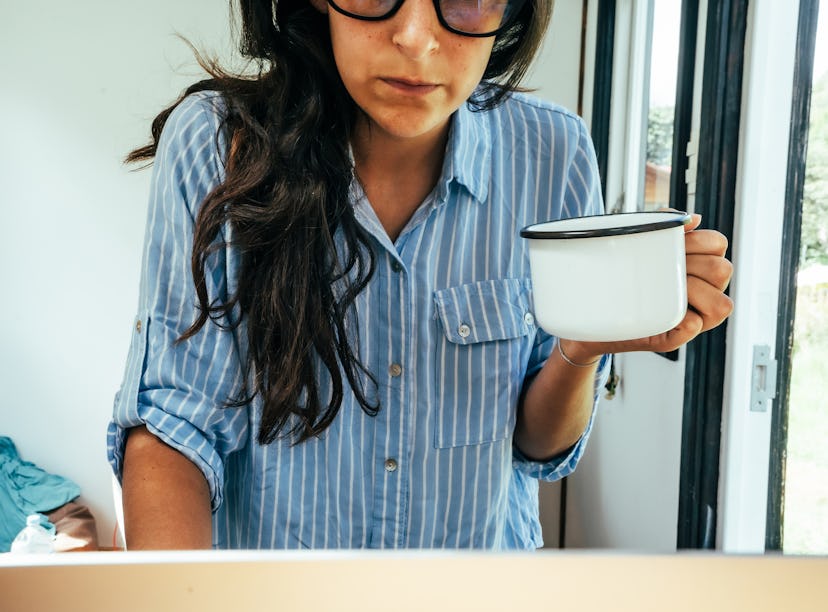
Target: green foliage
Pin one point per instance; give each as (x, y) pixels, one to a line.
(660, 135)
(806, 491)
(811, 322)
(806, 485)
(815, 194)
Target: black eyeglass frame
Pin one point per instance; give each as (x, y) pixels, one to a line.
(393, 11)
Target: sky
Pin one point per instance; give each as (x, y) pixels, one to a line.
(666, 26)
(664, 58)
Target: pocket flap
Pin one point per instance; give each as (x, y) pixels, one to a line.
(485, 311)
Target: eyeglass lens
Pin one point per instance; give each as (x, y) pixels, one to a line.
(467, 16)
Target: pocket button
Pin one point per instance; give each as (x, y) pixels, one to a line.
(464, 331)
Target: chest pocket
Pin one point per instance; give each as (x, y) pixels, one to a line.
(487, 330)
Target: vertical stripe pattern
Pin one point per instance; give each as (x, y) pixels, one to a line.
(445, 326)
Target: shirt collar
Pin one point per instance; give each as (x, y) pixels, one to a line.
(468, 156)
(468, 152)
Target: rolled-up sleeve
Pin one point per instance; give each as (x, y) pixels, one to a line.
(179, 390)
(582, 197)
(564, 464)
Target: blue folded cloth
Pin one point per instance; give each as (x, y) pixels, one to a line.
(26, 489)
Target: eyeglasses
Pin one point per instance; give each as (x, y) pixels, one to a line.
(478, 18)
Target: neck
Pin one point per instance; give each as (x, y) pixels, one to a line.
(397, 173)
(381, 157)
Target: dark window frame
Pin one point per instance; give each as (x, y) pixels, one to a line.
(718, 155)
(789, 266)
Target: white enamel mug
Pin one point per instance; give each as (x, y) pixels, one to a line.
(609, 277)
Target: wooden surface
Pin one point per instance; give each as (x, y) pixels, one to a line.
(236, 581)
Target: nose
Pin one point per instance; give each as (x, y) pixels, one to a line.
(415, 28)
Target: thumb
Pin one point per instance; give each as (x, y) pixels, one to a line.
(695, 221)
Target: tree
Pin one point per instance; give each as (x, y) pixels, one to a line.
(815, 193)
(660, 135)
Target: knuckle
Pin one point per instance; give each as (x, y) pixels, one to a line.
(723, 270)
(717, 240)
(723, 308)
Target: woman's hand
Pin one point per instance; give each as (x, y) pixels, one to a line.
(708, 274)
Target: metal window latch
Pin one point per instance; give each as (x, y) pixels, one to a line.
(691, 173)
(763, 381)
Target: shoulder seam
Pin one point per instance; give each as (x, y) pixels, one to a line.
(542, 104)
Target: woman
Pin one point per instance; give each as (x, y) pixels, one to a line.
(335, 345)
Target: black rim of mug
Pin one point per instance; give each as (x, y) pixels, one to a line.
(672, 219)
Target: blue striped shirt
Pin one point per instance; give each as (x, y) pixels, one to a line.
(445, 325)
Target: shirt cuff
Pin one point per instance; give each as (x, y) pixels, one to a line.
(178, 434)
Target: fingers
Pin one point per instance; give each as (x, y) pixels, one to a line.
(690, 326)
(708, 307)
(708, 275)
(707, 278)
(708, 242)
(712, 269)
(708, 302)
(695, 221)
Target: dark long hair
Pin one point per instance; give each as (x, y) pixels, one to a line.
(285, 195)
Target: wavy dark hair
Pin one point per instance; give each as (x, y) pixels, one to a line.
(285, 195)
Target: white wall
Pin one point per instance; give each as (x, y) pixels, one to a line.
(625, 492)
(81, 82)
(556, 71)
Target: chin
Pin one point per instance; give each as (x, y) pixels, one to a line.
(409, 126)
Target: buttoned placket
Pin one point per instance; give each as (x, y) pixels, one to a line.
(393, 439)
(394, 324)
(396, 470)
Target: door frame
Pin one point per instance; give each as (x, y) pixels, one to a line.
(760, 196)
(718, 152)
(742, 188)
(789, 266)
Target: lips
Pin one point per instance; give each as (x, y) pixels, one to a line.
(409, 85)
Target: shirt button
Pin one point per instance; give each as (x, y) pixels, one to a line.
(390, 465)
(529, 318)
(464, 331)
(396, 267)
(395, 369)
(138, 326)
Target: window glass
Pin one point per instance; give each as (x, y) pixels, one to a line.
(661, 101)
(805, 516)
